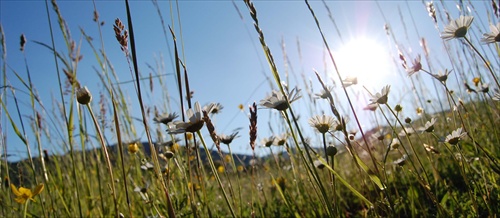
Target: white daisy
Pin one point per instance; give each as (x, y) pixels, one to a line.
(494, 36)
(165, 118)
(268, 141)
(278, 101)
(457, 28)
(318, 164)
(194, 124)
(431, 149)
(406, 132)
(455, 136)
(484, 88)
(496, 96)
(381, 98)
(349, 81)
(401, 161)
(442, 77)
(395, 143)
(371, 107)
(429, 126)
(324, 93)
(227, 139)
(213, 108)
(281, 140)
(323, 123)
(380, 134)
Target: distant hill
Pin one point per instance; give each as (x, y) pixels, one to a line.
(21, 170)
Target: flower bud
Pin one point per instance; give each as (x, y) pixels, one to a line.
(408, 120)
(83, 95)
(331, 150)
(398, 108)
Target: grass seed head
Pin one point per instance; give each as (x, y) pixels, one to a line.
(253, 125)
(23, 41)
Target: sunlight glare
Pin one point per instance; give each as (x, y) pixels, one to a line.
(365, 59)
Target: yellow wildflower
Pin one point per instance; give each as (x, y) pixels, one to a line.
(192, 157)
(241, 107)
(420, 111)
(194, 187)
(240, 168)
(24, 194)
(227, 158)
(476, 81)
(220, 169)
(133, 148)
(281, 182)
(189, 136)
(175, 147)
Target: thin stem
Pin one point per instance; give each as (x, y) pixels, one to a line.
(214, 171)
(171, 212)
(26, 208)
(324, 147)
(106, 155)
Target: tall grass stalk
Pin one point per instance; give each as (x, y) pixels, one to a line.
(171, 211)
(120, 150)
(106, 157)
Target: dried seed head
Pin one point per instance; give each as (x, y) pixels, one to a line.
(71, 79)
(151, 82)
(253, 125)
(96, 16)
(121, 38)
(495, 8)
(23, 41)
(83, 95)
(211, 129)
(39, 120)
(432, 11)
(403, 60)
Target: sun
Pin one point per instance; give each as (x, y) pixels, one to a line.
(365, 59)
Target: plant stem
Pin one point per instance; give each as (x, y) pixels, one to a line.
(108, 161)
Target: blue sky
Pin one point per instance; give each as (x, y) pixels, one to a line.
(222, 53)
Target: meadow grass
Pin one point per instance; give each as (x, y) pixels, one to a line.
(446, 163)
